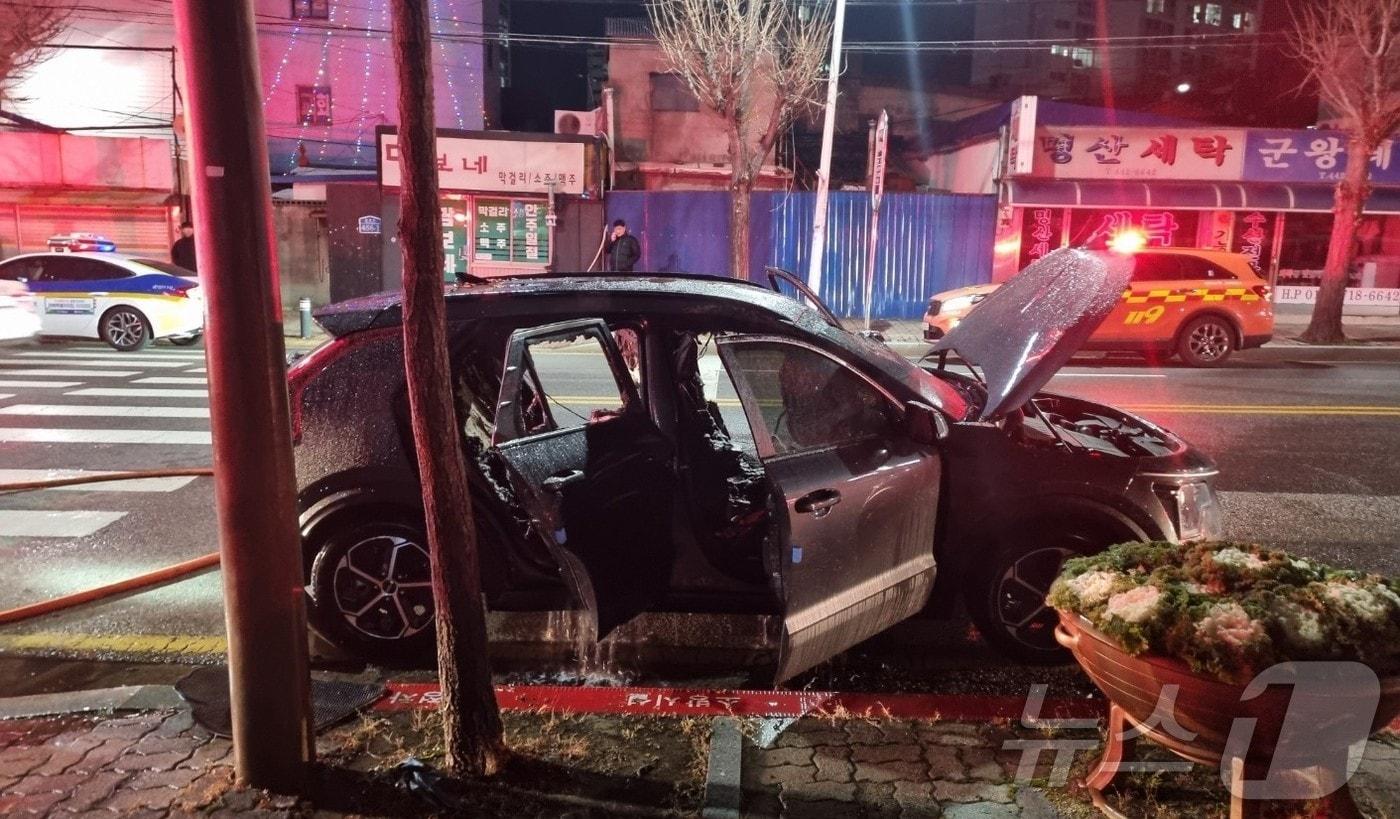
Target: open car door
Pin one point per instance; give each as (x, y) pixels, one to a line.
(596, 475)
(853, 539)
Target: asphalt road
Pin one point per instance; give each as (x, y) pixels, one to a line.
(1309, 452)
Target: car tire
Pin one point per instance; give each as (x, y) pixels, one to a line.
(1005, 596)
(125, 329)
(371, 590)
(1206, 341)
(186, 341)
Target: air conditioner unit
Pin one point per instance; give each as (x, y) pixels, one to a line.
(585, 123)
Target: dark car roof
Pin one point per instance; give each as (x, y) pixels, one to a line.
(385, 309)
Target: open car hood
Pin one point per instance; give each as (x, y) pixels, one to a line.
(1026, 330)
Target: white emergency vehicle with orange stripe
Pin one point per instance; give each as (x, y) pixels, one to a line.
(1200, 305)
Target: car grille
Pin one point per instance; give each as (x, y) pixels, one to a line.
(934, 305)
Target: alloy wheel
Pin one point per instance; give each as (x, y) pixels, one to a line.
(383, 587)
(1209, 341)
(1020, 596)
(125, 329)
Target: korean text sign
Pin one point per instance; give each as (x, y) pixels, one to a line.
(1139, 153)
(495, 165)
(1311, 156)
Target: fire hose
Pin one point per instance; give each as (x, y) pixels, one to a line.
(142, 581)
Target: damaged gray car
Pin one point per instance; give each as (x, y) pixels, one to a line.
(691, 444)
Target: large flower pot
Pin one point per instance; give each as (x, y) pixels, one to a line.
(1204, 707)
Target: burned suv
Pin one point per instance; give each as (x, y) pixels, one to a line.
(691, 444)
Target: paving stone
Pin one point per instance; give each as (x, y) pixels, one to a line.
(817, 810)
(38, 783)
(33, 804)
(982, 763)
(886, 753)
(66, 756)
(864, 733)
(177, 778)
(818, 792)
(95, 788)
(101, 756)
(132, 728)
(794, 739)
(877, 797)
(971, 792)
(832, 764)
(783, 774)
(210, 753)
(784, 756)
(150, 762)
(152, 744)
(890, 771)
(762, 805)
(126, 800)
(21, 761)
(1381, 751)
(981, 810)
(943, 762)
(944, 735)
(899, 731)
(916, 797)
(177, 723)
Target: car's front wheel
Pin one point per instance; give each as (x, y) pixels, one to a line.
(1006, 595)
(1206, 341)
(371, 590)
(125, 329)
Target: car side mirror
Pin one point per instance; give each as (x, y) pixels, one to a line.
(924, 424)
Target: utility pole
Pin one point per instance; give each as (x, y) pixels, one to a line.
(814, 262)
(254, 481)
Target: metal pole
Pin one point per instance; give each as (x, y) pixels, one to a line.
(814, 262)
(254, 482)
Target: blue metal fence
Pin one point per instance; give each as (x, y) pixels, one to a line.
(928, 242)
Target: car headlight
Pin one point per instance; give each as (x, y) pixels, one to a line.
(1197, 512)
(962, 303)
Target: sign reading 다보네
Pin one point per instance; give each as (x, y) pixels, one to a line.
(496, 165)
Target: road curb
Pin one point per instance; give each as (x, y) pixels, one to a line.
(723, 775)
(96, 700)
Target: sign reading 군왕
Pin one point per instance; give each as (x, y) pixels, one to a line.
(495, 165)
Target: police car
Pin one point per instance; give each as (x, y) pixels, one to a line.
(126, 302)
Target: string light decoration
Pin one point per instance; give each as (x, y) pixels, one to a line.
(364, 87)
(447, 65)
(321, 76)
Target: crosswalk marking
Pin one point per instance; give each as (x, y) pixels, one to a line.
(129, 357)
(4, 395)
(39, 383)
(136, 392)
(90, 362)
(75, 373)
(35, 523)
(39, 435)
(171, 380)
(195, 370)
(11, 476)
(104, 411)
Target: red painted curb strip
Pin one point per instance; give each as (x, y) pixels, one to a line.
(699, 702)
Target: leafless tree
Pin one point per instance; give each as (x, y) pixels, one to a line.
(756, 63)
(1351, 49)
(25, 28)
(471, 720)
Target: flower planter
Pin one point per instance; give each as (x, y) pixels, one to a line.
(1205, 707)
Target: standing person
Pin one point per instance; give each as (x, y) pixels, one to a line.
(182, 252)
(623, 249)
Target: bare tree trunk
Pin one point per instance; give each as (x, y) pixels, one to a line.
(471, 721)
(741, 196)
(1326, 324)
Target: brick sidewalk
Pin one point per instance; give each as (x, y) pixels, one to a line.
(853, 767)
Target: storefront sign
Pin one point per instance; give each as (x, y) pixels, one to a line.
(491, 242)
(495, 165)
(529, 233)
(1311, 156)
(1041, 230)
(1163, 228)
(1254, 237)
(1020, 149)
(314, 104)
(1139, 153)
(1355, 297)
(370, 225)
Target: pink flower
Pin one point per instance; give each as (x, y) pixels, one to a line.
(1134, 605)
(1230, 624)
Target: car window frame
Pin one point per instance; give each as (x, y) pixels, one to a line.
(758, 426)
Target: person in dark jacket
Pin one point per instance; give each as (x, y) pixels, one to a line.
(624, 251)
(182, 252)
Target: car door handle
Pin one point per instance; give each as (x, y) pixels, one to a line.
(818, 503)
(559, 480)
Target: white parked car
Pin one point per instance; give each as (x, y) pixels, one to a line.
(19, 318)
(125, 302)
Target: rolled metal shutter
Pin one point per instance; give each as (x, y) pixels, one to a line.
(138, 230)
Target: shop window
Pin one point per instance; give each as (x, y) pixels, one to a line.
(1155, 267)
(1192, 267)
(669, 92)
(1214, 15)
(1156, 6)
